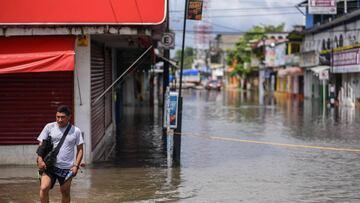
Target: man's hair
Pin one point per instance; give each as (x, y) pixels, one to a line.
(64, 109)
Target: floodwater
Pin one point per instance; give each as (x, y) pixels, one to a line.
(235, 148)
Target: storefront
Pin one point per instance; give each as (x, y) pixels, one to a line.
(290, 81)
(36, 75)
(308, 60)
(346, 65)
(48, 57)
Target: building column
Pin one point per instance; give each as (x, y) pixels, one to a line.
(82, 96)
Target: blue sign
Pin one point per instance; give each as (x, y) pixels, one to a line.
(173, 109)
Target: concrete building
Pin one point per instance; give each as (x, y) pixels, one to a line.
(291, 78)
(222, 43)
(49, 56)
(332, 44)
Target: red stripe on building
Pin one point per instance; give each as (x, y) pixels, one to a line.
(82, 12)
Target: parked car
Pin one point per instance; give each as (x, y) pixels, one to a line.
(213, 85)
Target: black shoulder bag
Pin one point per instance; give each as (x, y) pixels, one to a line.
(49, 157)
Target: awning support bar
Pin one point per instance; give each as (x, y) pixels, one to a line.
(127, 70)
(168, 60)
(78, 84)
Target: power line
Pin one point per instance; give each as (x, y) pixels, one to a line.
(262, 2)
(263, 14)
(248, 15)
(238, 9)
(218, 25)
(228, 32)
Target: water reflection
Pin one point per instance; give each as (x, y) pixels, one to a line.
(294, 175)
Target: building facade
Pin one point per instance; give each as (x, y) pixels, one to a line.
(331, 45)
(47, 60)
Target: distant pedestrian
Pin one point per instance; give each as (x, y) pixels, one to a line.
(66, 162)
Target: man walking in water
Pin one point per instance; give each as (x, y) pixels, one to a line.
(66, 161)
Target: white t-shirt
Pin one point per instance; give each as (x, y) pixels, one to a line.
(66, 156)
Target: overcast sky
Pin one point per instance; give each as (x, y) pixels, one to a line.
(235, 16)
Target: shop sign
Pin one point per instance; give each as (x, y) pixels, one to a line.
(82, 12)
(346, 61)
(194, 11)
(322, 6)
(349, 57)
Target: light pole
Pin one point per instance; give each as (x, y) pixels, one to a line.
(177, 137)
(262, 73)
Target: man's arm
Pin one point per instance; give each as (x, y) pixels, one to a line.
(40, 162)
(45, 133)
(79, 156)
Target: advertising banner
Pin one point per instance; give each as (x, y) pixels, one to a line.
(346, 61)
(173, 109)
(166, 104)
(194, 11)
(322, 6)
(280, 54)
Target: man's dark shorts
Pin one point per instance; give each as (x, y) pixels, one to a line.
(56, 174)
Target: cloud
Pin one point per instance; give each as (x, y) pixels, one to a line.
(236, 16)
(246, 14)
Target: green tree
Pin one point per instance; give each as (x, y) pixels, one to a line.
(188, 57)
(241, 54)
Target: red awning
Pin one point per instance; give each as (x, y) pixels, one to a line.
(82, 12)
(36, 54)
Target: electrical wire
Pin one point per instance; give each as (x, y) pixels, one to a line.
(250, 15)
(238, 9)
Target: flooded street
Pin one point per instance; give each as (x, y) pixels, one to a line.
(235, 148)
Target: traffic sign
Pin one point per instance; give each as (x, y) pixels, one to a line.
(168, 40)
(324, 75)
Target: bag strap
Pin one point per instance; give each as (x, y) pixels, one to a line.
(57, 148)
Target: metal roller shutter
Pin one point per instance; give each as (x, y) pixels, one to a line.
(28, 101)
(97, 87)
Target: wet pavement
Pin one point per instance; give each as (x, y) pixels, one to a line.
(235, 148)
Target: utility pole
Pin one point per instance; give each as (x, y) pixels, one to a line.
(262, 72)
(177, 137)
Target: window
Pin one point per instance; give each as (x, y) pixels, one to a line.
(341, 41)
(336, 42)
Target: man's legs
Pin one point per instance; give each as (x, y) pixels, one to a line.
(44, 188)
(65, 191)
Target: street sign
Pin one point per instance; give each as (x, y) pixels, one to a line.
(168, 40)
(324, 75)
